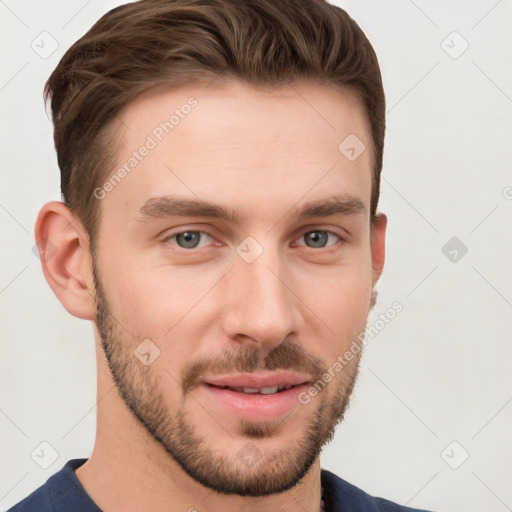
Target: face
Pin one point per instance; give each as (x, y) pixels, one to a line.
(234, 256)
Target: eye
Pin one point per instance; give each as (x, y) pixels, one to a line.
(318, 239)
(190, 239)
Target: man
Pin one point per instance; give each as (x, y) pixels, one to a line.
(220, 165)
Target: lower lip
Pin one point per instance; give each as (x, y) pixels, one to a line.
(255, 407)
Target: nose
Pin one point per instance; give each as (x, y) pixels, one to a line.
(261, 305)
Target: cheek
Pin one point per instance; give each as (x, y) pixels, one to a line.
(155, 302)
(340, 298)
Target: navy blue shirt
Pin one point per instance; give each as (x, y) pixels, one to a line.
(63, 492)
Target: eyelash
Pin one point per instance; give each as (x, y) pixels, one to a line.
(172, 236)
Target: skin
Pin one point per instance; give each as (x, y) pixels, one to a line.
(161, 442)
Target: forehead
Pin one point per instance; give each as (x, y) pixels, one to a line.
(233, 143)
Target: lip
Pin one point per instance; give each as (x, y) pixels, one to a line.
(258, 381)
(256, 407)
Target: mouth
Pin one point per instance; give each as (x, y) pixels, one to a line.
(263, 382)
(257, 391)
(256, 397)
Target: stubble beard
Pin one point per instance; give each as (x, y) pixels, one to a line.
(266, 471)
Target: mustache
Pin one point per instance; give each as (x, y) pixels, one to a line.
(285, 356)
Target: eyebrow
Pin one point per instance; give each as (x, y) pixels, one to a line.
(175, 206)
(346, 204)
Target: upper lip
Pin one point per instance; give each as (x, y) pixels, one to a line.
(258, 381)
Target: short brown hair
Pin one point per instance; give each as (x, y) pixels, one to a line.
(160, 44)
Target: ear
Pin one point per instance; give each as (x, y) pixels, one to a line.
(378, 245)
(64, 253)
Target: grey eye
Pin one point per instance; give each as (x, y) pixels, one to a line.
(316, 239)
(188, 239)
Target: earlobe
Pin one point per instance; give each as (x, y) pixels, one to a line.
(378, 245)
(65, 258)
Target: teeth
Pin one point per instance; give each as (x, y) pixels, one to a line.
(249, 390)
(262, 391)
(269, 391)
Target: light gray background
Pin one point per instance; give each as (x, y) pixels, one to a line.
(438, 373)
